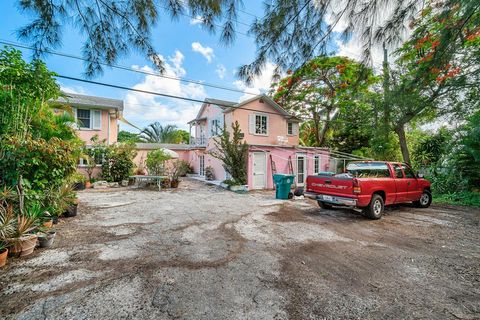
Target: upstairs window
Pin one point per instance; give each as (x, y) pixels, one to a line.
(89, 119)
(84, 117)
(290, 128)
(261, 124)
(215, 129)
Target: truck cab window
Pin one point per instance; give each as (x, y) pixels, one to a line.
(398, 171)
(368, 170)
(408, 172)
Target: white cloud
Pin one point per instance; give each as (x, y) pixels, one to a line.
(196, 20)
(73, 89)
(259, 85)
(207, 52)
(221, 71)
(143, 109)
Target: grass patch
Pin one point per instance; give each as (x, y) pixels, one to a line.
(466, 198)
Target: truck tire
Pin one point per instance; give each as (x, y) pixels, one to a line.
(324, 205)
(425, 200)
(375, 207)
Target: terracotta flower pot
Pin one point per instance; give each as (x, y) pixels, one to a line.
(3, 257)
(48, 224)
(88, 184)
(23, 246)
(174, 183)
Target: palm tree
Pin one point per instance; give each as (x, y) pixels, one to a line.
(156, 133)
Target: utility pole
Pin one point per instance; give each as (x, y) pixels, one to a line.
(386, 93)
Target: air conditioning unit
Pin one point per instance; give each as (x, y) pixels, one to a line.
(282, 140)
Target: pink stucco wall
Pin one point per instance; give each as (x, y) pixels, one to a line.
(108, 131)
(280, 156)
(277, 124)
(142, 156)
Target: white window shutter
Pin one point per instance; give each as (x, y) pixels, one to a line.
(251, 123)
(268, 124)
(96, 119)
(295, 128)
(76, 126)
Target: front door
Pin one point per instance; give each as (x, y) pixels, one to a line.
(301, 169)
(414, 191)
(401, 184)
(259, 170)
(202, 165)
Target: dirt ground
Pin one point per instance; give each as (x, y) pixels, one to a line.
(200, 252)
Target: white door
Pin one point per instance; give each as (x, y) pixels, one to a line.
(259, 170)
(202, 165)
(301, 169)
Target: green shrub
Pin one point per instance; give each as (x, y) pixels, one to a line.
(465, 198)
(118, 162)
(156, 162)
(41, 163)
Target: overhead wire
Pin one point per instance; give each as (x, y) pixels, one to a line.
(120, 67)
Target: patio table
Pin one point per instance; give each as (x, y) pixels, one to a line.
(139, 179)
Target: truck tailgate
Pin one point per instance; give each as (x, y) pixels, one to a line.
(330, 185)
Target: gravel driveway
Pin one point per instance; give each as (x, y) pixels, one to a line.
(200, 252)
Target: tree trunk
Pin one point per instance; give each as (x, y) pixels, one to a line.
(400, 130)
(316, 124)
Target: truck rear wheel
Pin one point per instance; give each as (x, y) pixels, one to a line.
(375, 207)
(324, 205)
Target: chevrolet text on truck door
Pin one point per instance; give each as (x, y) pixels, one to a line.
(370, 185)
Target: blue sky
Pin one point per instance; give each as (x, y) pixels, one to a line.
(189, 51)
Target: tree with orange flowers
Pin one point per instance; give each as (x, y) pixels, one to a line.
(438, 70)
(322, 89)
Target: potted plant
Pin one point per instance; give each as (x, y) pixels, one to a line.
(3, 254)
(178, 169)
(45, 239)
(22, 242)
(47, 220)
(209, 175)
(78, 181)
(7, 229)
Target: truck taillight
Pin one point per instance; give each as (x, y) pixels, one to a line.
(356, 186)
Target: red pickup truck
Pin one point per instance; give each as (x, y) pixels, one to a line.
(370, 185)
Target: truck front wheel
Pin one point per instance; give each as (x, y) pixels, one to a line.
(375, 207)
(425, 200)
(324, 205)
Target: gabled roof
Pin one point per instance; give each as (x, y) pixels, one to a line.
(90, 101)
(223, 104)
(228, 106)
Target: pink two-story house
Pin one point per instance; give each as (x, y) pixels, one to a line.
(96, 116)
(272, 136)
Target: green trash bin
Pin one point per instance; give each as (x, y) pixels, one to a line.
(283, 183)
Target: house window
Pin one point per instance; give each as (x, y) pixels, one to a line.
(83, 117)
(316, 164)
(215, 129)
(261, 126)
(290, 128)
(89, 119)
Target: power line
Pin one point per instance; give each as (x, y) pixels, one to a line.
(66, 55)
(158, 94)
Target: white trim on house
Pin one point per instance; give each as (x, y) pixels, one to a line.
(258, 173)
(304, 173)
